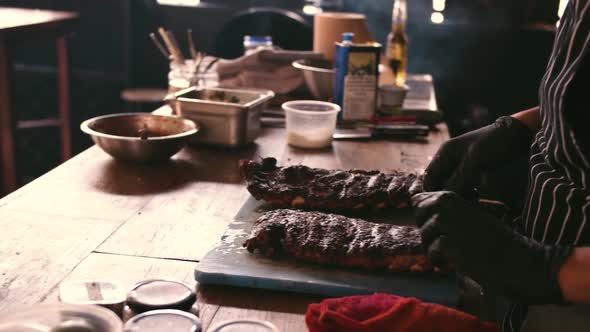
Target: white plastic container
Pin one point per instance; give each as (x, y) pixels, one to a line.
(393, 95)
(310, 124)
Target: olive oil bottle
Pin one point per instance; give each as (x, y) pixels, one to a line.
(397, 42)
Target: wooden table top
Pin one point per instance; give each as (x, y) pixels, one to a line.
(93, 217)
(22, 20)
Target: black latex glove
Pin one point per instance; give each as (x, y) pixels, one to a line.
(460, 162)
(507, 184)
(457, 233)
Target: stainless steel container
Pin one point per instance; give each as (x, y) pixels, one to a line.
(227, 117)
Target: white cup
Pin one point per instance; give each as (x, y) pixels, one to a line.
(310, 124)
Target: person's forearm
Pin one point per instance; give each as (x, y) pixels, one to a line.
(530, 118)
(574, 276)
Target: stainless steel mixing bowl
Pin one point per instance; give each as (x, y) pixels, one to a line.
(140, 137)
(318, 76)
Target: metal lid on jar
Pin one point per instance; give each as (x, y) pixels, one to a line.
(167, 320)
(257, 39)
(244, 325)
(160, 294)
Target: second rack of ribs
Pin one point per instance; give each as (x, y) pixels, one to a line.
(316, 188)
(332, 239)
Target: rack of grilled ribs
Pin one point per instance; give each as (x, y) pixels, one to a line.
(337, 240)
(315, 188)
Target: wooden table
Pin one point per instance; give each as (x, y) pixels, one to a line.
(19, 25)
(92, 217)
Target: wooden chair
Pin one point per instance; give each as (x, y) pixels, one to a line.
(18, 25)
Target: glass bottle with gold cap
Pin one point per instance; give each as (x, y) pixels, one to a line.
(397, 42)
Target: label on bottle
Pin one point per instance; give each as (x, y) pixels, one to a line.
(359, 86)
(396, 51)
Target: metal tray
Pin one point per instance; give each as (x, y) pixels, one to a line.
(228, 117)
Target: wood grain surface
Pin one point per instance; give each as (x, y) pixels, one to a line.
(93, 217)
(22, 20)
(39, 250)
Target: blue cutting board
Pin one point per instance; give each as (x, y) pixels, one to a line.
(228, 263)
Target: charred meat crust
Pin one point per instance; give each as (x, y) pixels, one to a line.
(315, 188)
(332, 239)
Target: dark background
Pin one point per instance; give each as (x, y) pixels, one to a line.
(487, 57)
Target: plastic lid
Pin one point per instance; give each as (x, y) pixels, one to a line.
(60, 317)
(257, 39)
(243, 325)
(310, 107)
(347, 36)
(160, 294)
(163, 321)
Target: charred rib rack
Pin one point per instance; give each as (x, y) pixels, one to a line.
(314, 188)
(337, 240)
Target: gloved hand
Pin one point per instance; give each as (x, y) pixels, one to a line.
(456, 232)
(460, 162)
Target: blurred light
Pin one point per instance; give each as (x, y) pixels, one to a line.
(311, 10)
(438, 5)
(437, 17)
(562, 4)
(184, 3)
(560, 10)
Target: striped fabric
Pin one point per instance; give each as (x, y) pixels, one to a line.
(557, 206)
(558, 200)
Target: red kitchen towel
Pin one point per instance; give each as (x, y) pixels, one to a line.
(389, 313)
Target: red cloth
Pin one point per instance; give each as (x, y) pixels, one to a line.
(389, 313)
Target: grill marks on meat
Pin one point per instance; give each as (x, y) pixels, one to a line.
(337, 240)
(315, 188)
(328, 238)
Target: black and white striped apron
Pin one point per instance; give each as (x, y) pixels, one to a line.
(558, 201)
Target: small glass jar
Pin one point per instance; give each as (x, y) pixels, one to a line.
(243, 325)
(156, 294)
(163, 321)
(206, 76)
(180, 75)
(59, 317)
(186, 74)
(254, 43)
(105, 293)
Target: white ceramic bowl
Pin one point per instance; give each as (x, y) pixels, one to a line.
(310, 124)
